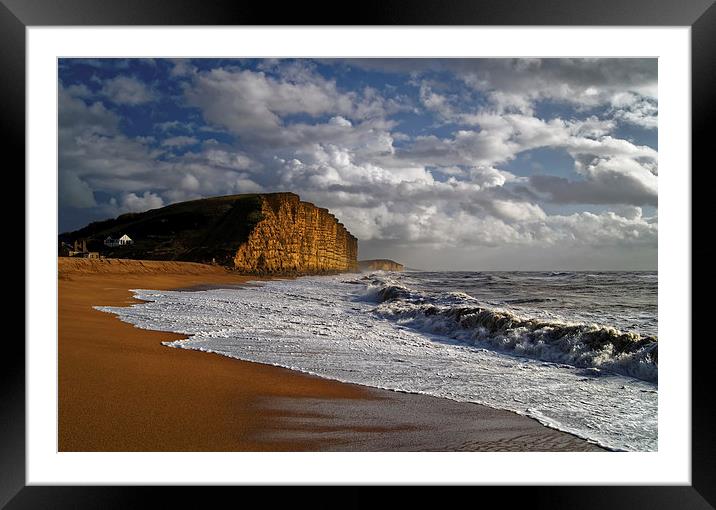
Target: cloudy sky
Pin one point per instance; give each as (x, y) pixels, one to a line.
(471, 164)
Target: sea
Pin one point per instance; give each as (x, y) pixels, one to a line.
(577, 351)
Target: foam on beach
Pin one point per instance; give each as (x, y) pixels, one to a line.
(460, 316)
(349, 329)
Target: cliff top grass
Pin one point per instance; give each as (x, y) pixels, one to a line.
(208, 229)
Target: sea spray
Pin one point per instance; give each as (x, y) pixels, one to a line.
(457, 316)
(337, 327)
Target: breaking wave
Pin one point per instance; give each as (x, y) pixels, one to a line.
(458, 316)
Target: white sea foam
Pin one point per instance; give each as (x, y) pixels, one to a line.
(460, 316)
(329, 326)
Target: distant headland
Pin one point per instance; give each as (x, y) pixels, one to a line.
(380, 265)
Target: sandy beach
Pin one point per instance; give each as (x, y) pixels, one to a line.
(120, 389)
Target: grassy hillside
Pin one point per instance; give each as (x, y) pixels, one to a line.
(198, 230)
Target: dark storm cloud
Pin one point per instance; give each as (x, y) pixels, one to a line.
(610, 189)
(417, 152)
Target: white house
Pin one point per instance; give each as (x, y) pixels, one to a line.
(125, 239)
(122, 241)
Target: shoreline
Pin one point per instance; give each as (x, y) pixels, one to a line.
(120, 389)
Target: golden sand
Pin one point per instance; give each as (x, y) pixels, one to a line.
(120, 389)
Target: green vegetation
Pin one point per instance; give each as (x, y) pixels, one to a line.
(203, 230)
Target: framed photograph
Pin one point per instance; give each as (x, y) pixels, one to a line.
(422, 248)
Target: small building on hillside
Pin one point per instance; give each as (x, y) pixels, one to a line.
(125, 239)
(80, 246)
(77, 249)
(65, 249)
(122, 241)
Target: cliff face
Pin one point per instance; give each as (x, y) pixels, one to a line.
(272, 233)
(380, 265)
(296, 237)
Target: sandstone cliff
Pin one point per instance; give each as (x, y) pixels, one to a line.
(380, 265)
(272, 233)
(296, 237)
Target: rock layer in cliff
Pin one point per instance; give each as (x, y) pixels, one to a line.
(272, 233)
(296, 237)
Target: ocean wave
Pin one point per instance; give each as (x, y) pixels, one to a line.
(460, 317)
(529, 300)
(328, 326)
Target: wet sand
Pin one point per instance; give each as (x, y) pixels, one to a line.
(121, 390)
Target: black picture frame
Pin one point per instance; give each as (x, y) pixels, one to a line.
(700, 15)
